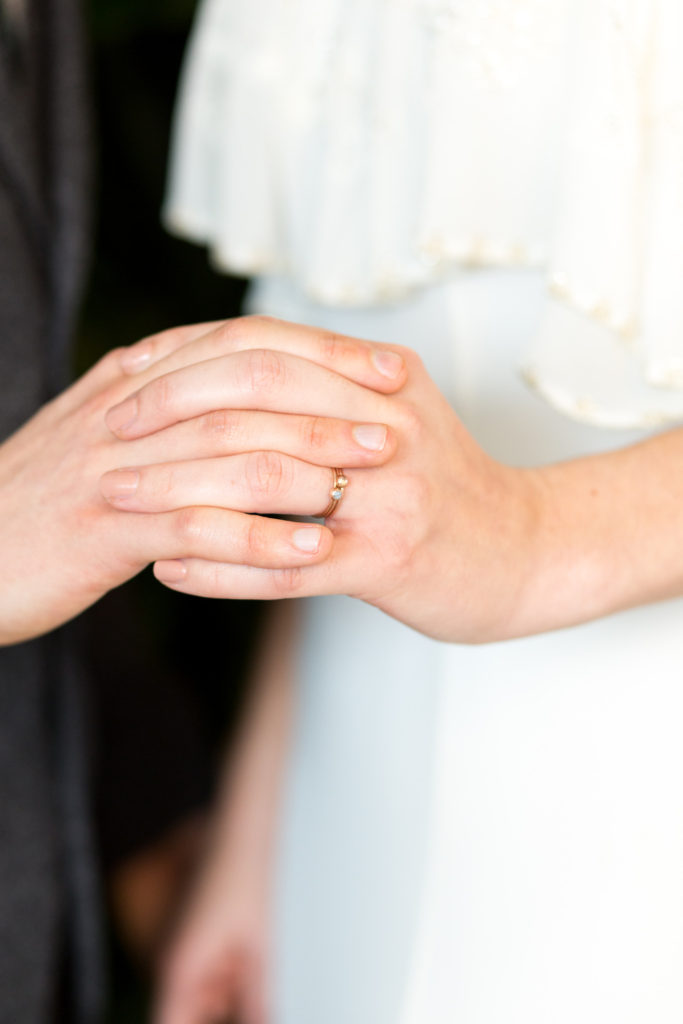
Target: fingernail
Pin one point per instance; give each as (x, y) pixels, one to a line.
(307, 540)
(170, 572)
(389, 364)
(121, 483)
(135, 360)
(122, 416)
(371, 436)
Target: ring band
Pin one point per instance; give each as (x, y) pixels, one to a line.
(339, 482)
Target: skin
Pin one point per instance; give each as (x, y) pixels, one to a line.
(442, 537)
(64, 545)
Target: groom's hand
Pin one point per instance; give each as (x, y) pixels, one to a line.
(63, 545)
(251, 417)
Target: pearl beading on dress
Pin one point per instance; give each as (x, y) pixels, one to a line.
(562, 288)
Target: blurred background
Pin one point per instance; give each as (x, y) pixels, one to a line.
(171, 684)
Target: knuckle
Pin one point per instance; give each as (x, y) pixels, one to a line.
(222, 425)
(111, 362)
(217, 574)
(256, 543)
(314, 433)
(268, 474)
(190, 528)
(332, 346)
(226, 334)
(160, 394)
(262, 371)
(239, 332)
(156, 344)
(287, 582)
(409, 418)
(258, 320)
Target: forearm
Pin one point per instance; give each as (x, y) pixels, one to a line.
(609, 533)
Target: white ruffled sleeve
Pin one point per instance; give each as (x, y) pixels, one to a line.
(369, 148)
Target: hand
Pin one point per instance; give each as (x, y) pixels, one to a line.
(64, 546)
(214, 969)
(441, 536)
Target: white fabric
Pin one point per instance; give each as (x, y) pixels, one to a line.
(487, 834)
(368, 147)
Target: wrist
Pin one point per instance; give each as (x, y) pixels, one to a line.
(523, 541)
(567, 578)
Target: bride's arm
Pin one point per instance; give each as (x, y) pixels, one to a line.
(217, 960)
(442, 536)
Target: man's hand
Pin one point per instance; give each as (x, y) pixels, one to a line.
(64, 545)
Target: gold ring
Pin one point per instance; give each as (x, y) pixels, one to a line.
(339, 482)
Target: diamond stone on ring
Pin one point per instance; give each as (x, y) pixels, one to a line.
(339, 482)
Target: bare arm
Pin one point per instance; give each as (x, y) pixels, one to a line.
(217, 961)
(610, 532)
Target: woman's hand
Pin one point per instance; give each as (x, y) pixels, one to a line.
(64, 545)
(441, 536)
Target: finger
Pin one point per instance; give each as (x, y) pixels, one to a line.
(119, 363)
(316, 439)
(374, 365)
(341, 573)
(144, 353)
(223, 535)
(254, 482)
(257, 379)
(128, 360)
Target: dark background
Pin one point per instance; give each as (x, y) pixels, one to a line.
(143, 280)
(169, 669)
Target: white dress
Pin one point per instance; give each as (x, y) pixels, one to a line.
(471, 834)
